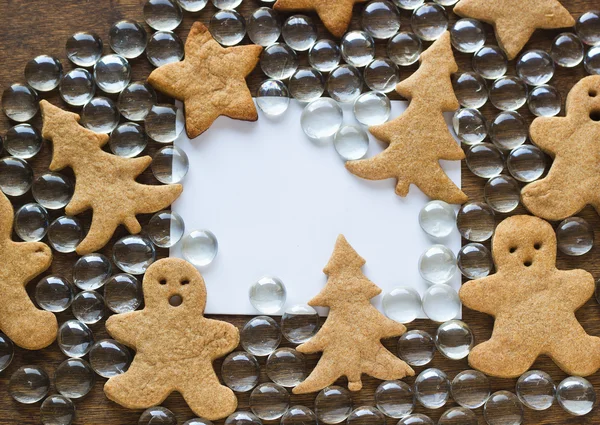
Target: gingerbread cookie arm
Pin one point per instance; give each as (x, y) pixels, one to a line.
(574, 287)
(485, 294)
(125, 327)
(551, 134)
(223, 337)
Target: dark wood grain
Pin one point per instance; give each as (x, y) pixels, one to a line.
(33, 27)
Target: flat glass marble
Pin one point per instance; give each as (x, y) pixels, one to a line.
(88, 307)
(267, 295)
(52, 190)
(324, 55)
(128, 140)
(429, 21)
(84, 48)
(65, 233)
(395, 399)
(490, 62)
(260, 336)
(100, 115)
(441, 303)
(74, 378)
(112, 73)
(574, 236)
(279, 61)
(588, 27)
(351, 142)
(576, 395)
(299, 32)
(133, 254)
(286, 367)
(535, 67)
(544, 101)
(437, 219)
(408, 4)
(454, 339)
(136, 100)
(197, 421)
(43, 73)
(264, 26)
(77, 87)
(467, 35)
(437, 264)
(365, 415)
(380, 18)
(470, 126)
(416, 419)
(508, 130)
(164, 47)
(508, 93)
(273, 97)
(91, 271)
(20, 102)
(7, 351)
(591, 61)
(471, 389)
(240, 371)
(333, 405)
(475, 221)
(299, 323)
(269, 401)
(503, 408)
(29, 384)
(53, 293)
(157, 415)
(470, 90)
(536, 390)
(321, 118)
(306, 84)
(242, 418)
(485, 160)
(164, 123)
(299, 415)
(57, 410)
(381, 74)
(567, 50)
(402, 305)
(526, 163)
(344, 83)
(502, 193)
(31, 222)
(109, 358)
(163, 15)
(228, 27)
(474, 261)
(170, 165)
(74, 338)
(404, 48)
(358, 48)
(16, 176)
(200, 247)
(165, 228)
(372, 108)
(123, 293)
(432, 388)
(458, 416)
(416, 348)
(127, 38)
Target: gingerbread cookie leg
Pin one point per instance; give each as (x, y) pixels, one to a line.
(577, 351)
(507, 351)
(125, 389)
(208, 398)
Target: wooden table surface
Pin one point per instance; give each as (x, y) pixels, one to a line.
(35, 27)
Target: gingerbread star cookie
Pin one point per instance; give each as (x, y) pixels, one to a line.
(420, 137)
(175, 345)
(210, 81)
(574, 142)
(335, 15)
(20, 262)
(533, 303)
(515, 20)
(350, 338)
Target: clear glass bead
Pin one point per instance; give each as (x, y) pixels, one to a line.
(123, 293)
(136, 100)
(112, 73)
(157, 415)
(226, 4)
(165, 228)
(324, 55)
(508, 130)
(508, 93)
(196, 421)
(228, 27)
(402, 304)
(170, 165)
(535, 67)
(475, 221)
(458, 416)
(100, 115)
(575, 236)
(128, 140)
(351, 142)
(74, 378)
(43, 73)
(333, 405)
(109, 358)
(57, 410)
(52, 190)
(358, 48)
(395, 399)
(260, 336)
(536, 390)
(31, 222)
(485, 160)
(544, 101)
(84, 48)
(242, 418)
(53, 293)
(29, 384)
(467, 35)
(164, 123)
(192, 6)
(372, 108)
(576, 395)
(432, 388)
(502, 193)
(380, 19)
(279, 61)
(416, 418)
(474, 261)
(16, 176)
(437, 219)
(404, 48)
(267, 295)
(490, 62)
(591, 61)
(470, 90)
(306, 84)
(88, 307)
(200, 247)
(65, 233)
(240, 371)
(299, 415)
(416, 348)
(164, 47)
(286, 367)
(273, 97)
(299, 32)
(127, 38)
(471, 389)
(299, 323)
(321, 118)
(469, 126)
(588, 27)
(381, 74)
(162, 15)
(264, 26)
(7, 351)
(20, 102)
(408, 4)
(437, 264)
(441, 303)
(269, 401)
(91, 271)
(365, 415)
(454, 339)
(526, 163)
(429, 21)
(133, 254)
(567, 50)
(503, 408)
(74, 338)
(77, 87)
(344, 83)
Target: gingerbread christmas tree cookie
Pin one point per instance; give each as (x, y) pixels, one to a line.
(210, 81)
(515, 20)
(533, 303)
(350, 338)
(574, 143)
(20, 320)
(175, 345)
(105, 183)
(419, 138)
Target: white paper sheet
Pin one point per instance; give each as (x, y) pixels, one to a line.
(277, 202)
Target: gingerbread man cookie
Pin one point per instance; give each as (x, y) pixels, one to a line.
(20, 262)
(574, 142)
(533, 303)
(175, 345)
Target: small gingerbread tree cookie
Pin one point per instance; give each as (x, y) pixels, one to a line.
(533, 303)
(574, 142)
(350, 338)
(175, 344)
(20, 262)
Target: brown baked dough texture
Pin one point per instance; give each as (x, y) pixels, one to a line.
(335, 14)
(26, 325)
(210, 81)
(515, 20)
(175, 346)
(419, 138)
(533, 303)
(574, 142)
(350, 338)
(104, 182)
